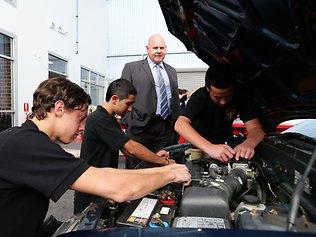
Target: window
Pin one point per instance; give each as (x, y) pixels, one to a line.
(6, 82)
(57, 67)
(93, 83)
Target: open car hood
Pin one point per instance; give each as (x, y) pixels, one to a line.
(271, 43)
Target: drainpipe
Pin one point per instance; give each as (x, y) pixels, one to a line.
(77, 26)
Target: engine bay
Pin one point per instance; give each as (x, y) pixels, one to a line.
(248, 195)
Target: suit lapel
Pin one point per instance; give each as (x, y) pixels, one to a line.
(148, 71)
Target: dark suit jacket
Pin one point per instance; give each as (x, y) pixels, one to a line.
(144, 108)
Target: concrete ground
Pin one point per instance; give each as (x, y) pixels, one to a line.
(63, 209)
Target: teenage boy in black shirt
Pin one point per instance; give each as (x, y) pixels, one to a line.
(103, 137)
(210, 112)
(35, 169)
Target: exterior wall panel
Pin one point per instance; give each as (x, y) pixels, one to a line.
(191, 79)
(41, 27)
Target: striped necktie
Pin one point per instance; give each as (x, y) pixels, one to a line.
(164, 107)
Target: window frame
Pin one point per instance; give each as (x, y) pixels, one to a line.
(12, 59)
(61, 58)
(96, 84)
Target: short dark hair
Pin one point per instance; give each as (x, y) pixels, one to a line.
(54, 89)
(220, 75)
(120, 87)
(182, 91)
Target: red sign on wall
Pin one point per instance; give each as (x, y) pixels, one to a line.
(26, 107)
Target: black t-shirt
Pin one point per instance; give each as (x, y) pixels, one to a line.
(215, 123)
(102, 140)
(103, 137)
(33, 170)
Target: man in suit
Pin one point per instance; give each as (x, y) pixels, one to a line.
(156, 108)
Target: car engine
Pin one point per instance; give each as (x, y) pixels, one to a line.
(248, 194)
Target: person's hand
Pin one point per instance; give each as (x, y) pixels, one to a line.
(181, 173)
(163, 153)
(170, 161)
(244, 150)
(221, 152)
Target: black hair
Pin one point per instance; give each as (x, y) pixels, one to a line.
(220, 75)
(182, 91)
(54, 89)
(120, 87)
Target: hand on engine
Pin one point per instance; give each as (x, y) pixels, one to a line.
(244, 150)
(181, 173)
(165, 154)
(221, 152)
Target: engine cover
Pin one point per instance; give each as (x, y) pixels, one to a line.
(205, 202)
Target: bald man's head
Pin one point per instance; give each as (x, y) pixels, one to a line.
(156, 48)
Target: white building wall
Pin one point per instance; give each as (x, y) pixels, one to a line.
(129, 26)
(40, 27)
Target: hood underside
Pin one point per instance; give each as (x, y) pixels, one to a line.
(271, 44)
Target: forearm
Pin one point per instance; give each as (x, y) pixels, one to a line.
(133, 185)
(184, 128)
(141, 152)
(254, 136)
(221, 152)
(155, 170)
(121, 185)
